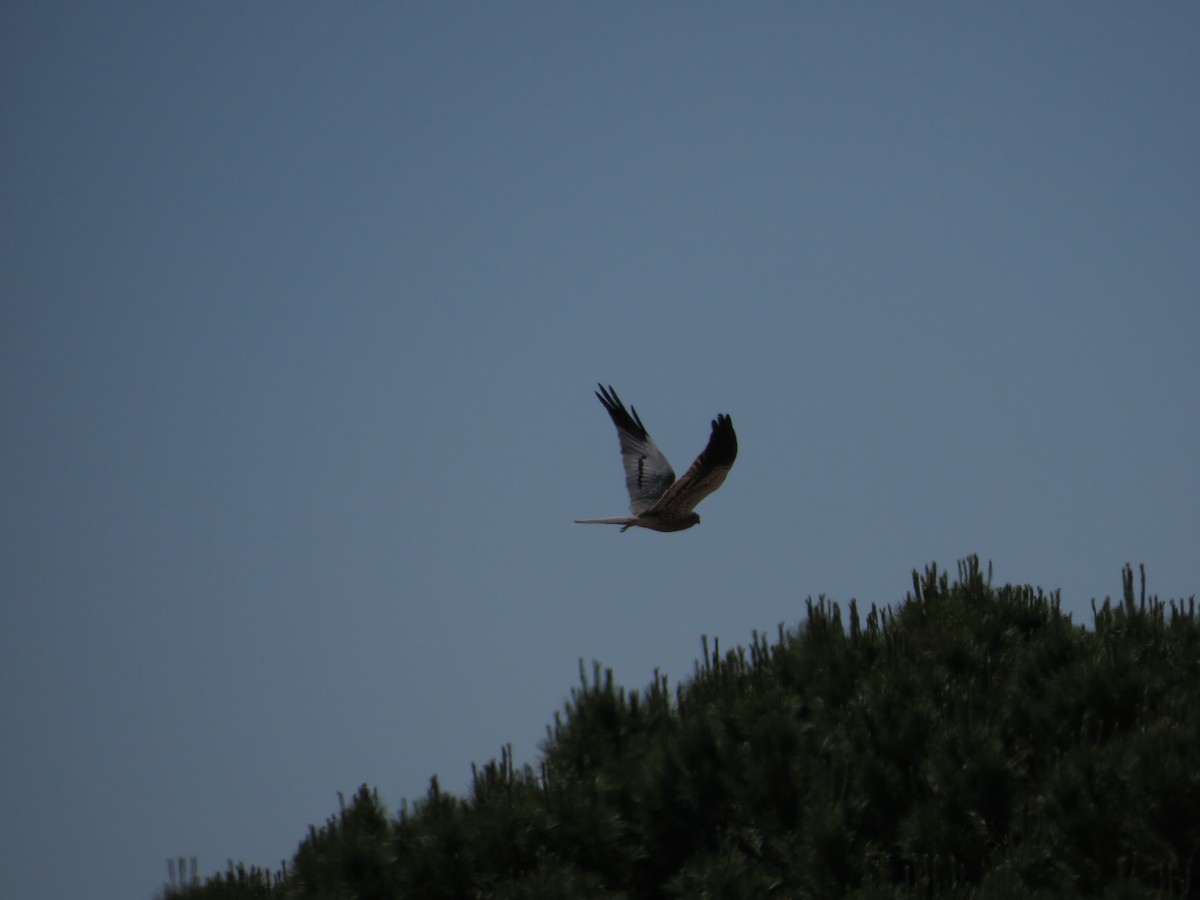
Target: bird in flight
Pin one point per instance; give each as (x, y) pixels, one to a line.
(657, 500)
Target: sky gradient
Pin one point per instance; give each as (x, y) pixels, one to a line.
(304, 305)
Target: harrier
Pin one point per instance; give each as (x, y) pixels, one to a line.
(658, 500)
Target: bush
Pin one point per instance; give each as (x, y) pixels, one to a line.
(971, 742)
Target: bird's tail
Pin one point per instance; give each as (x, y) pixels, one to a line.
(614, 520)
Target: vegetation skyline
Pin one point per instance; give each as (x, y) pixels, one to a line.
(971, 742)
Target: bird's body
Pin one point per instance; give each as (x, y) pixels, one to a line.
(657, 499)
(646, 520)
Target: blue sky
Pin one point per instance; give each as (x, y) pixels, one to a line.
(303, 309)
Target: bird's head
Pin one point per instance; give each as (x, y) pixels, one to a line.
(692, 518)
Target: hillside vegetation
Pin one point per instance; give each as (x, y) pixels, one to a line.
(970, 742)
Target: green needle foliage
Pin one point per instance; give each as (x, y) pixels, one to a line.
(972, 742)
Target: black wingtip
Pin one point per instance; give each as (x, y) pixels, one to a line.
(621, 416)
(722, 443)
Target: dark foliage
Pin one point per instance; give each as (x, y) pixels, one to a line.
(973, 742)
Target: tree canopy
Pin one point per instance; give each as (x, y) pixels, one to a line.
(972, 741)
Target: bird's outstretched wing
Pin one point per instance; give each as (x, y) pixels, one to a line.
(647, 472)
(705, 475)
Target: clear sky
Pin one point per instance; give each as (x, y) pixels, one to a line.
(304, 305)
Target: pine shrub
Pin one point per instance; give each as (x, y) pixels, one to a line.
(970, 742)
